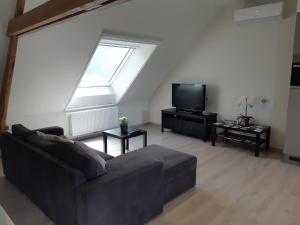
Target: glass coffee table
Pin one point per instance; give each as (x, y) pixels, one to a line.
(255, 135)
(116, 133)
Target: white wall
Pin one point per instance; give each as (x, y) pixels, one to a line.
(297, 39)
(6, 13)
(51, 61)
(292, 141)
(234, 60)
(137, 112)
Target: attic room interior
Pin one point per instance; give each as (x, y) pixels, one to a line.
(132, 112)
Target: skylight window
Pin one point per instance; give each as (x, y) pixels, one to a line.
(105, 64)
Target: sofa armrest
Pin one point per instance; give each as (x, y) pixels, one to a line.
(55, 130)
(130, 194)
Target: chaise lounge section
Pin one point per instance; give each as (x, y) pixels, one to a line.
(179, 169)
(131, 192)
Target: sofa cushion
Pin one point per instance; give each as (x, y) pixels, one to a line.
(40, 142)
(20, 131)
(81, 157)
(175, 163)
(78, 155)
(54, 138)
(105, 156)
(101, 154)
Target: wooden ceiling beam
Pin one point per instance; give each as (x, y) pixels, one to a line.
(8, 71)
(54, 11)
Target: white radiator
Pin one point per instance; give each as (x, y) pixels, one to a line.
(91, 121)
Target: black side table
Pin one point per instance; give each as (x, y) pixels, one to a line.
(116, 133)
(255, 135)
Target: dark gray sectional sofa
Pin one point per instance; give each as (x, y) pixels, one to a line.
(131, 192)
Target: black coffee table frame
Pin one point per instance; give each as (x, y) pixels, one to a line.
(116, 133)
(250, 136)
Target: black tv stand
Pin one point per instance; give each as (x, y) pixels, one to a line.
(188, 123)
(183, 111)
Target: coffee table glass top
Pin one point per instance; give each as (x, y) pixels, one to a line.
(116, 132)
(253, 128)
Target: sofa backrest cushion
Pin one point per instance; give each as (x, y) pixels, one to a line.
(54, 138)
(103, 155)
(81, 157)
(40, 142)
(19, 131)
(76, 155)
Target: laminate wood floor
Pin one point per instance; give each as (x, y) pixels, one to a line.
(233, 187)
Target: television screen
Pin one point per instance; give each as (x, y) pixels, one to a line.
(189, 96)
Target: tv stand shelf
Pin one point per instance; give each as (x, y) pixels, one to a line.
(188, 123)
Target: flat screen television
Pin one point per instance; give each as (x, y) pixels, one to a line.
(189, 97)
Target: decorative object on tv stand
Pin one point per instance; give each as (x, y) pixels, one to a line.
(123, 124)
(244, 120)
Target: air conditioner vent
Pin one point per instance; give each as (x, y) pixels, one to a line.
(262, 13)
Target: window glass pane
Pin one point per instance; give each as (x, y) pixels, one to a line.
(104, 65)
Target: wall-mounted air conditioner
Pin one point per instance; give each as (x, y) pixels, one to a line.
(260, 13)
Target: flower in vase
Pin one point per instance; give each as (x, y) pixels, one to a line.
(123, 120)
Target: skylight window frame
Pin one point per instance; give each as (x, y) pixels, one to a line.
(119, 68)
(111, 43)
(111, 94)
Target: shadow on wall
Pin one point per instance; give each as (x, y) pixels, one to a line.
(145, 116)
(289, 9)
(213, 97)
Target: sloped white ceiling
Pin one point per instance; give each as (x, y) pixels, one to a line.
(51, 61)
